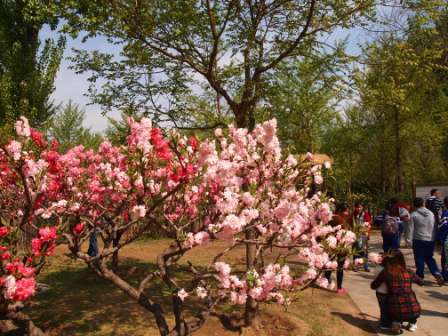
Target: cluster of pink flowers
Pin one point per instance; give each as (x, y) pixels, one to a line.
(264, 287)
(252, 185)
(28, 181)
(17, 279)
(197, 191)
(197, 239)
(45, 244)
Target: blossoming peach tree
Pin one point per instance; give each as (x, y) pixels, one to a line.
(29, 177)
(200, 193)
(237, 188)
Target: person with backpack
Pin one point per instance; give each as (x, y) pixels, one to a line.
(422, 231)
(398, 302)
(390, 229)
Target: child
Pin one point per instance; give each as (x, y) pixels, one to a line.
(401, 303)
(381, 295)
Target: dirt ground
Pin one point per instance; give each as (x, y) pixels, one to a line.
(79, 303)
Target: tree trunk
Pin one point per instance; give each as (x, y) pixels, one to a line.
(251, 309)
(142, 299)
(181, 328)
(25, 323)
(398, 166)
(245, 118)
(115, 257)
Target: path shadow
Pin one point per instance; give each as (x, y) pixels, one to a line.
(438, 295)
(426, 312)
(358, 322)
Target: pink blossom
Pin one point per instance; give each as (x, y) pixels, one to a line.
(233, 223)
(318, 179)
(332, 265)
(36, 246)
(309, 156)
(138, 211)
(347, 263)
(24, 289)
(322, 282)
(375, 258)
(25, 271)
(248, 199)
(14, 148)
(10, 287)
(201, 238)
(359, 262)
(23, 127)
(182, 294)
(332, 242)
(238, 298)
(222, 268)
(47, 233)
(201, 292)
(277, 297)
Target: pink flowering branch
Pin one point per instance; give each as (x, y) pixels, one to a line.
(26, 173)
(238, 187)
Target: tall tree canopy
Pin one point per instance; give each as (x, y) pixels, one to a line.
(27, 67)
(224, 49)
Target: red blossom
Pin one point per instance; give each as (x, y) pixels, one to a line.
(193, 142)
(77, 229)
(3, 231)
(38, 138)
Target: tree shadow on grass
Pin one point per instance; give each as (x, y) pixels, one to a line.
(358, 322)
(78, 302)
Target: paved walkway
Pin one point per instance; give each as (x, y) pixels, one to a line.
(433, 298)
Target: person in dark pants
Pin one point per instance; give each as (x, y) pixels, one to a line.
(93, 245)
(390, 230)
(422, 231)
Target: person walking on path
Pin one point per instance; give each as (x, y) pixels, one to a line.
(422, 231)
(401, 210)
(442, 237)
(389, 229)
(340, 218)
(400, 303)
(361, 226)
(435, 205)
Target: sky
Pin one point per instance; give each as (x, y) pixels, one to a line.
(72, 86)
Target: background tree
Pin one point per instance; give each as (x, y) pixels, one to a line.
(27, 67)
(394, 128)
(303, 94)
(227, 48)
(66, 126)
